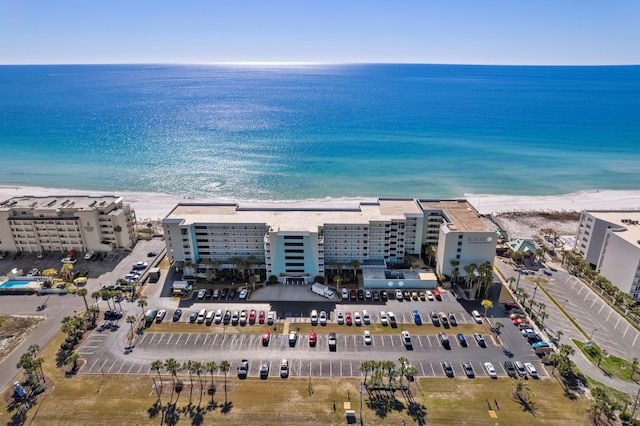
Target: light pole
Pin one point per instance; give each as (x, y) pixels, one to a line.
(635, 405)
(564, 303)
(594, 330)
(518, 280)
(533, 298)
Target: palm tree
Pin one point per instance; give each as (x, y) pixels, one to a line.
(454, 270)
(543, 315)
(365, 367)
(403, 362)
(142, 303)
(198, 367)
(211, 366)
(634, 365)
(355, 265)
(96, 295)
(429, 252)
(157, 366)
(83, 292)
(172, 366)
(333, 264)
(559, 333)
(486, 304)
(131, 320)
(251, 262)
(225, 367)
(497, 326)
(188, 365)
(510, 281)
(73, 358)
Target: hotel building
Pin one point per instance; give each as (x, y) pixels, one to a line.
(63, 223)
(294, 242)
(609, 241)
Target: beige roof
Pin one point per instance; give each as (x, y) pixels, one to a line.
(461, 214)
(55, 202)
(294, 216)
(627, 221)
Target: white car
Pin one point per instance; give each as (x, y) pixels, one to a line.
(271, 316)
(218, 317)
(531, 370)
(243, 294)
(429, 295)
(340, 317)
(323, 318)
(366, 318)
(367, 337)
(476, 316)
(71, 260)
(345, 294)
(160, 315)
(490, 370)
(33, 272)
(284, 369)
(392, 319)
(293, 338)
(201, 294)
(399, 294)
(383, 318)
(357, 319)
(406, 338)
(88, 255)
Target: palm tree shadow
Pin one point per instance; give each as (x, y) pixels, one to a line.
(226, 407)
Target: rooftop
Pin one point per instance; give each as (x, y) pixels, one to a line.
(460, 213)
(59, 202)
(626, 223)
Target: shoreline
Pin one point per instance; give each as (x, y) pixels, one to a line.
(154, 206)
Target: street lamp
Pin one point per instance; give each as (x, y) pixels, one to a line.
(564, 303)
(594, 330)
(518, 281)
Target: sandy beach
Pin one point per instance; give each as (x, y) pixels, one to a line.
(156, 206)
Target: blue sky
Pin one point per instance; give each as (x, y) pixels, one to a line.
(414, 31)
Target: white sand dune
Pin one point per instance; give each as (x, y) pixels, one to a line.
(156, 206)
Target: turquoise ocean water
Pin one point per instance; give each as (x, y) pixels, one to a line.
(318, 131)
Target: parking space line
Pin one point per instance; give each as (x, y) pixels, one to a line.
(341, 375)
(114, 363)
(152, 336)
(420, 340)
(188, 337)
(160, 340)
(391, 339)
(617, 322)
(171, 337)
(351, 366)
(94, 363)
(205, 339)
(610, 312)
(196, 341)
(625, 331)
(123, 363)
(129, 370)
(594, 302)
(634, 340)
(433, 372)
(140, 368)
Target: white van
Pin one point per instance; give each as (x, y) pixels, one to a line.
(209, 317)
(218, 317)
(520, 369)
(201, 315)
(314, 317)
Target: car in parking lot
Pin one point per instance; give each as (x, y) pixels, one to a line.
(476, 317)
(284, 368)
(353, 295)
(152, 254)
(345, 294)
(422, 296)
(224, 293)
(414, 295)
(444, 340)
(357, 320)
(313, 339)
(522, 372)
(437, 295)
(243, 317)
(243, 369)
(216, 294)
(235, 317)
(406, 339)
(407, 295)
(376, 295)
(193, 316)
(232, 295)
(348, 318)
(266, 336)
(480, 340)
(112, 315)
(365, 317)
(261, 317)
(392, 319)
(531, 370)
(293, 338)
(383, 318)
(384, 296)
(177, 314)
(452, 319)
(209, 318)
(448, 368)
(468, 369)
(243, 294)
(491, 371)
(339, 317)
(443, 318)
(367, 294)
(88, 255)
(227, 317)
(252, 316)
(332, 341)
(218, 317)
(69, 260)
(434, 318)
(399, 295)
(416, 317)
(201, 316)
(510, 369)
(361, 295)
(160, 315)
(140, 265)
(367, 337)
(323, 318)
(208, 294)
(201, 294)
(271, 317)
(430, 295)
(461, 339)
(33, 272)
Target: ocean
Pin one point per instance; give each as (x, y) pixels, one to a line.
(292, 132)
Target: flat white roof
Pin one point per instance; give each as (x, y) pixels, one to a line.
(628, 223)
(58, 202)
(296, 216)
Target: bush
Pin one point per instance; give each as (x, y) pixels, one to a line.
(273, 279)
(319, 279)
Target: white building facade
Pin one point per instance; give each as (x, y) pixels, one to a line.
(610, 242)
(62, 223)
(290, 241)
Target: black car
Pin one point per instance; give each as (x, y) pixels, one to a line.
(193, 317)
(232, 294)
(113, 315)
(177, 314)
(226, 318)
(224, 293)
(376, 296)
(383, 296)
(361, 295)
(152, 254)
(511, 369)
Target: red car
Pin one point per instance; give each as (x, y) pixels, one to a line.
(436, 294)
(353, 295)
(261, 317)
(265, 338)
(313, 339)
(517, 321)
(348, 318)
(252, 317)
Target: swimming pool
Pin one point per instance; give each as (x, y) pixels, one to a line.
(14, 284)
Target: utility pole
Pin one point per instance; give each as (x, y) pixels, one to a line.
(361, 419)
(518, 281)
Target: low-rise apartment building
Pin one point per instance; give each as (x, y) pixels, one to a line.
(62, 223)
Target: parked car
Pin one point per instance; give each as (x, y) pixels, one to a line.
(33, 272)
(522, 372)
(252, 316)
(235, 317)
(201, 294)
(332, 341)
(437, 295)
(216, 294)
(361, 295)
(243, 317)
(243, 369)
(367, 337)
(365, 317)
(226, 318)
(399, 295)
(208, 294)
(353, 295)
(152, 254)
(434, 318)
(367, 295)
(407, 295)
(357, 320)
(284, 368)
(476, 316)
(452, 319)
(443, 319)
(266, 336)
(243, 294)
(384, 296)
(313, 339)
(209, 318)
(480, 340)
(491, 371)
(323, 318)
(88, 255)
(261, 317)
(271, 317)
(468, 369)
(406, 339)
(177, 314)
(448, 368)
(193, 317)
(416, 317)
(531, 370)
(392, 318)
(430, 295)
(414, 295)
(383, 318)
(69, 260)
(510, 369)
(293, 338)
(345, 294)
(461, 339)
(112, 315)
(376, 295)
(160, 315)
(348, 318)
(340, 317)
(444, 340)
(218, 317)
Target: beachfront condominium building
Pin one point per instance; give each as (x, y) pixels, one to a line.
(609, 241)
(294, 242)
(62, 223)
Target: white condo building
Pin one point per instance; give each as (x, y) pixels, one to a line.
(609, 241)
(290, 241)
(62, 223)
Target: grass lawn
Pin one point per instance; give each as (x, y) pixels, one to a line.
(130, 400)
(613, 365)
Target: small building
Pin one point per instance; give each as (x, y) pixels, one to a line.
(522, 246)
(400, 278)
